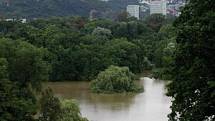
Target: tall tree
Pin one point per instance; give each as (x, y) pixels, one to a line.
(193, 86)
(21, 71)
(50, 107)
(15, 104)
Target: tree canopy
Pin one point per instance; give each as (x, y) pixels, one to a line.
(78, 49)
(115, 79)
(193, 86)
(22, 69)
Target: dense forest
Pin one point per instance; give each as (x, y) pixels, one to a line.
(103, 51)
(49, 8)
(78, 49)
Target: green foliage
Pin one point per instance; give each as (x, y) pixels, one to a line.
(162, 73)
(21, 71)
(78, 49)
(115, 79)
(13, 105)
(164, 52)
(25, 62)
(71, 111)
(123, 53)
(101, 32)
(192, 87)
(3, 68)
(5, 91)
(16, 104)
(50, 107)
(155, 21)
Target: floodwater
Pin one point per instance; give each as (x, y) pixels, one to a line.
(151, 105)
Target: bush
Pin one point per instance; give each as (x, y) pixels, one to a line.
(50, 107)
(71, 111)
(101, 32)
(54, 109)
(115, 79)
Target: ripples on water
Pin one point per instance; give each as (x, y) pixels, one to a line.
(151, 105)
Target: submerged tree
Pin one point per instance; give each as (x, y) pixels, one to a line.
(115, 79)
(193, 86)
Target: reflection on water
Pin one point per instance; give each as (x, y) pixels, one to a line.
(151, 105)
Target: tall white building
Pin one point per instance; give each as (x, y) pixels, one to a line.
(134, 10)
(144, 1)
(105, 0)
(158, 6)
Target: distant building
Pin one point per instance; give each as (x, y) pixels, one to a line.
(10, 19)
(5, 2)
(170, 7)
(134, 11)
(174, 7)
(93, 14)
(144, 1)
(105, 0)
(158, 7)
(23, 20)
(14, 20)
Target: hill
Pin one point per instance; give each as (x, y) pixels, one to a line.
(47, 8)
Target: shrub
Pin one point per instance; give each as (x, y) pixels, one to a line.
(101, 32)
(50, 107)
(71, 111)
(115, 79)
(54, 109)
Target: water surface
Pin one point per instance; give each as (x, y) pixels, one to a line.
(151, 105)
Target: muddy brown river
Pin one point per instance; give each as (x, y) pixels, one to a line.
(151, 105)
